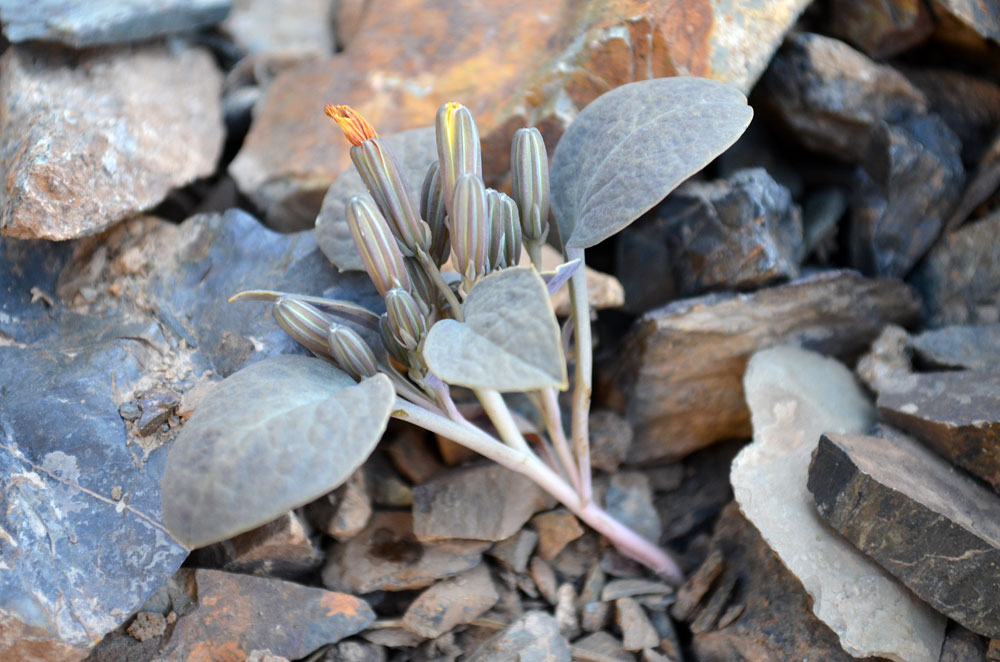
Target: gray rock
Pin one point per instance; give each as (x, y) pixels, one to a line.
(983, 181)
(601, 646)
(285, 26)
(157, 405)
(451, 602)
(910, 179)
(85, 24)
(630, 588)
(610, 439)
(888, 359)
(961, 645)
(935, 529)
(516, 550)
(78, 132)
(637, 632)
(629, 499)
(973, 347)
(739, 233)
(534, 637)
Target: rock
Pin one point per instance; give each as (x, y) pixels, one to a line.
(355, 651)
(881, 28)
(487, 502)
(281, 548)
(235, 614)
(545, 579)
(556, 529)
(147, 625)
(974, 347)
(956, 413)
(933, 528)
(157, 405)
(910, 179)
(344, 513)
(601, 646)
(984, 182)
(299, 28)
(830, 95)
(451, 602)
(386, 556)
(690, 595)
(412, 456)
(776, 622)
(982, 18)
(960, 277)
(637, 632)
(961, 645)
(556, 60)
(678, 373)
(629, 588)
(821, 214)
(534, 637)
(78, 130)
(629, 499)
(565, 611)
(795, 396)
(738, 233)
(265, 656)
(888, 360)
(82, 25)
(610, 438)
(516, 550)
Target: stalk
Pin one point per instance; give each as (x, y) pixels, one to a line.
(582, 381)
(435, 274)
(495, 407)
(549, 405)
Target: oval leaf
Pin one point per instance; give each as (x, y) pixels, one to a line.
(270, 437)
(509, 341)
(633, 145)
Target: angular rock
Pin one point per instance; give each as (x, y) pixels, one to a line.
(556, 529)
(344, 513)
(955, 413)
(881, 28)
(488, 502)
(451, 602)
(637, 632)
(516, 550)
(961, 645)
(910, 180)
(82, 145)
(555, 59)
(678, 372)
(534, 637)
(831, 95)
(629, 499)
(87, 24)
(888, 360)
(157, 405)
(984, 181)
(629, 588)
(281, 548)
(545, 578)
(147, 625)
(286, 27)
(974, 347)
(386, 556)
(795, 396)
(960, 278)
(739, 233)
(935, 529)
(982, 17)
(610, 439)
(601, 646)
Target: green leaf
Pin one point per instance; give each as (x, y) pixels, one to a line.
(509, 341)
(633, 145)
(270, 437)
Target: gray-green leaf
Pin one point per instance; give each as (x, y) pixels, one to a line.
(633, 145)
(270, 437)
(509, 341)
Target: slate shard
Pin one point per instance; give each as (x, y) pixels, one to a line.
(967, 347)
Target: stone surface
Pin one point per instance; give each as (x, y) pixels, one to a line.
(344, 513)
(516, 550)
(556, 529)
(794, 397)
(147, 625)
(386, 556)
(934, 528)
(955, 413)
(157, 405)
(830, 95)
(961, 645)
(451, 602)
(881, 28)
(629, 499)
(409, 57)
(487, 502)
(601, 646)
(610, 439)
(910, 179)
(534, 637)
(111, 22)
(637, 632)
(285, 27)
(960, 278)
(983, 182)
(888, 360)
(281, 548)
(973, 347)
(982, 17)
(628, 588)
(739, 233)
(678, 373)
(83, 146)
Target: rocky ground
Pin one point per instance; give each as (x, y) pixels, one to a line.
(798, 351)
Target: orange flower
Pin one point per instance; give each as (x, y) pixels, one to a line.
(356, 128)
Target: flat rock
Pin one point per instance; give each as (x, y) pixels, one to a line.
(534, 637)
(972, 347)
(794, 397)
(516, 550)
(556, 529)
(934, 528)
(286, 27)
(955, 413)
(740, 233)
(960, 278)
(88, 24)
(487, 502)
(830, 95)
(881, 28)
(386, 556)
(451, 602)
(78, 131)
(409, 57)
(678, 373)
(637, 632)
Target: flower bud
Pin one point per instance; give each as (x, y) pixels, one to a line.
(512, 235)
(458, 147)
(377, 247)
(470, 228)
(405, 318)
(392, 345)
(433, 211)
(503, 216)
(424, 290)
(529, 171)
(355, 127)
(350, 352)
(305, 323)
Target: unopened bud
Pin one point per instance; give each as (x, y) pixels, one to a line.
(350, 352)
(305, 323)
(389, 341)
(512, 235)
(376, 245)
(470, 228)
(529, 171)
(458, 147)
(433, 211)
(405, 318)
(503, 216)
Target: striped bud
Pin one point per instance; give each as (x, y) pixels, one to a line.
(458, 147)
(503, 216)
(405, 318)
(392, 345)
(376, 245)
(470, 228)
(512, 236)
(381, 174)
(529, 172)
(433, 211)
(423, 290)
(350, 352)
(305, 323)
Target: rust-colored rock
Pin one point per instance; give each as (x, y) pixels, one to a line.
(881, 28)
(513, 62)
(89, 139)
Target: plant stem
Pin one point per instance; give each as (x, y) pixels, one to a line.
(495, 407)
(549, 405)
(432, 270)
(534, 249)
(580, 308)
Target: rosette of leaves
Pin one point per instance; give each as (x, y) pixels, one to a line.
(463, 309)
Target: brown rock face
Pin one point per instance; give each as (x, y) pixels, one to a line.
(513, 62)
(680, 368)
(92, 138)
